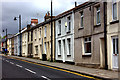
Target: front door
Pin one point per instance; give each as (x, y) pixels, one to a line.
(115, 52)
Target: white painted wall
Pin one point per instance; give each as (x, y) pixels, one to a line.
(65, 36)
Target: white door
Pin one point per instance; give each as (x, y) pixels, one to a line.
(115, 52)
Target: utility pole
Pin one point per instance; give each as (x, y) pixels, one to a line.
(20, 33)
(51, 35)
(6, 42)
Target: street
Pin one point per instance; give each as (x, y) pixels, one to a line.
(16, 69)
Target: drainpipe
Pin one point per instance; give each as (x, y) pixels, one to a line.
(51, 35)
(105, 35)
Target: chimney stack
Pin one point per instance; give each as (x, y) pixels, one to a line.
(75, 3)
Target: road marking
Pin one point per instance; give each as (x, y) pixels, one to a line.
(19, 65)
(11, 63)
(30, 71)
(57, 69)
(45, 77)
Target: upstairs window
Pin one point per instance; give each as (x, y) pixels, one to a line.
(98, 14)
(114, 11)
(69, 23)
(81, 19)
(31, 35)
(40, 32)
(28, 36)
(45, 30)
(59, 27)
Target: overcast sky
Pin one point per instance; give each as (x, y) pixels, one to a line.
(30, 9)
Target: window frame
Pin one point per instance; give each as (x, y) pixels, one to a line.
(113, 3)
(81, 19)
(59, 47)
(116, 52)
(36, 49)
(45, 31)
(86, 42)
(98, 13)
(69, 46)
(59, 27)
(45, 48)
(69, 23)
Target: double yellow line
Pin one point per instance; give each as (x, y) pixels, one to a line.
(57, 69)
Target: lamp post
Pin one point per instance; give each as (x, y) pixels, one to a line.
(51, 35)
(6, 41)
(15, 18)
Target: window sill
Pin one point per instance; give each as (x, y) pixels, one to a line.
(59, 34)
(59, 55)
(114, 21)
(86, 55)
(68, 32)
(97, 25)
(68, 55)
(80, 28)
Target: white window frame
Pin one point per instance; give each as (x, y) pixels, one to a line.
(116, 37)
(81, 19)
(98, 12)
(59, 27)
(59, 47)
(36, 49)
(69, 25)
(35, 34)
(40, 32)
(114, 2)
(69, 46)
(85, 42)
(45, 31)
(45, 49)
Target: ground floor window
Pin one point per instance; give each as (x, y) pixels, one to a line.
(69, 46)
(59, 47)
(87, 45)
(45, 47)
(115, 45)
(36, 48)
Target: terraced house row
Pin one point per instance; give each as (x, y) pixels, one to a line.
(86, 35)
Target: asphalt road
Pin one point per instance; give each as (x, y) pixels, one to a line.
(13, 69)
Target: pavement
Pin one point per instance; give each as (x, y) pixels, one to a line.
(100, 73)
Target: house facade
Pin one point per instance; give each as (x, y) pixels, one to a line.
(112, 34)
(64, 36)
(16, 44)
(42, 39)
(89, 35)
(11, 45)
(30, 42)
(24, 42)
